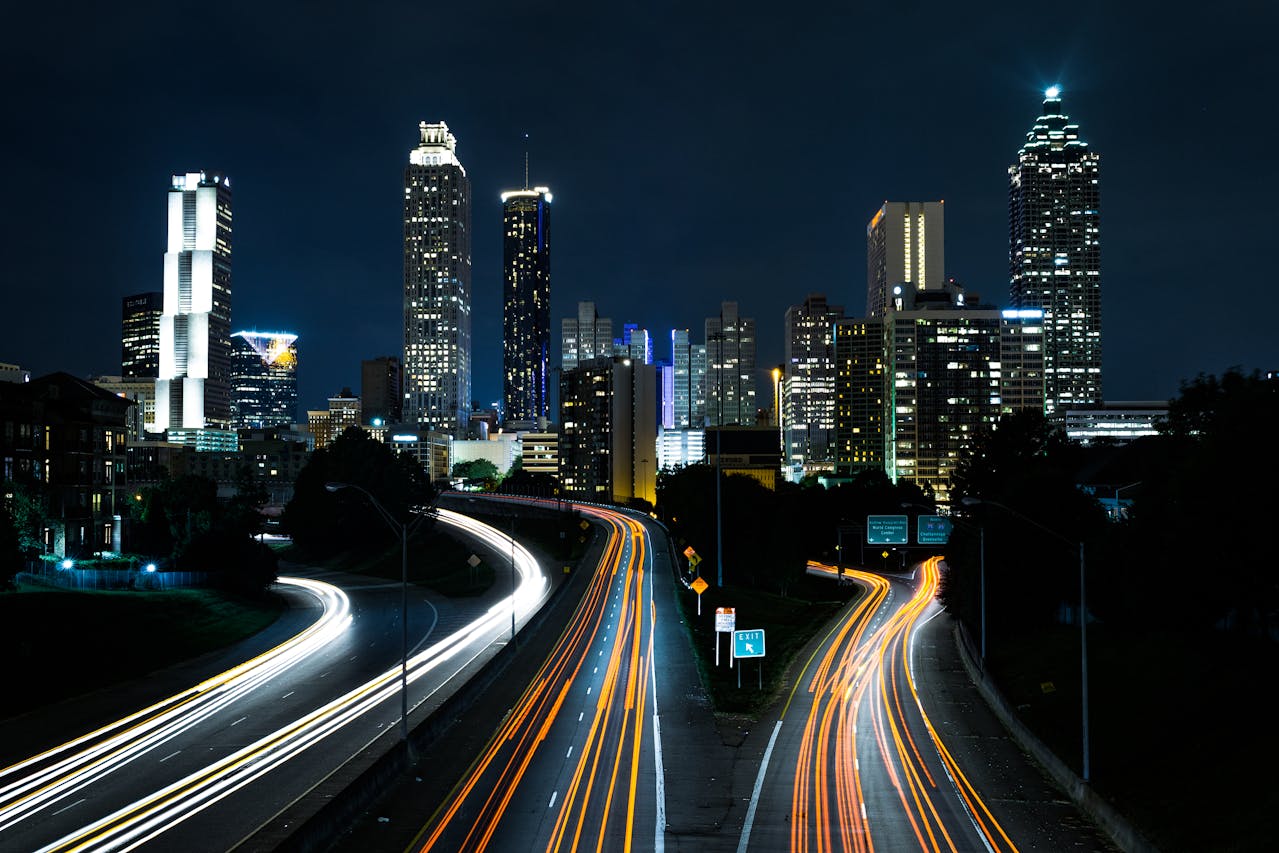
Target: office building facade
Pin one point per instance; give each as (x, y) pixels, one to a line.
(264, 378)
(381, 390)
(807, 405)
(904, 247)
(140, 335)
(585, 337)
(193, 386)
(858, 346)
(730, 368)
(526, 303)
(688, 363)
(1054, 253)
(437, 284)
(608, 431)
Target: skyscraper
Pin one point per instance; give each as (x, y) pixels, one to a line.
(264, 377)
(437, 284)
(688, 363)
(859, 396)
(140, 335)
(808, 385)
(526, 303)
(584, 337)
(904, 247)
(730, 370)
(193, 388)
(1054, 253)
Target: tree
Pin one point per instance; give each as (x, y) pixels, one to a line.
(10, 548)
(477, 472)
(322, 522)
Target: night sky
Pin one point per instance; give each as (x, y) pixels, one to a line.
(696, 152)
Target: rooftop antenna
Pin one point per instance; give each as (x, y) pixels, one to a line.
(525, 161)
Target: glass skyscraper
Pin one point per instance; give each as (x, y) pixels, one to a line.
(1054, 253)
(905, 246)
(730, 369)
(526, 303)
(437, 284)
(193, 388)
(264, 378)
(808, 389)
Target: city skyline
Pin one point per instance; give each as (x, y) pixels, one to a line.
(655, 240)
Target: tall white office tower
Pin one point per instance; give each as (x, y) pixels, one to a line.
(437, 284)
(1054, 253)
(730, 369)
(904, 248)
(193, 386)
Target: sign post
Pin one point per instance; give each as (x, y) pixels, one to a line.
(699, 586)
(749, 644)
(725, 623)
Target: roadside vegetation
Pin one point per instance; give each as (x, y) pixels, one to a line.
(63, 643)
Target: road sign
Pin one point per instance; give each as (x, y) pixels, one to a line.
(473, 561)
(748, 644)
(725, 619)
(689, 552)
(695, 560)
(699, 586)
(932, 530)
(584, 524)
(887, 530)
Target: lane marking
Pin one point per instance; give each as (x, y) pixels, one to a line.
(579, 715)
(287, 695)
(551, 804)
(73, 805)
(759, 784)
(241, 720)
(569, 754)
(170, 755)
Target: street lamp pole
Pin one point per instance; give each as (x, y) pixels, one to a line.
(403, 532)
(1083, 623)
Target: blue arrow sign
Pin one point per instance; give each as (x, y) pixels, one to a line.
(748, 644)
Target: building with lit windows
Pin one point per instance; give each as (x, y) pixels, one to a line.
(608, 431)
(264, 378)
(635, 343)
(904, 247)
(138, 390)
(584, 337)
(437, 284)
(327, 424)
(730, 368)
(140, 335)
(1054, 253)
(526, 303)
(858, 346)
(808, 387)
(945, 381)
(1116, 421)
(688, 381)
(193, 385)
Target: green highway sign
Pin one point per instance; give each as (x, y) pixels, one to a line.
(748, 644)
(932, 530)
(887, 530)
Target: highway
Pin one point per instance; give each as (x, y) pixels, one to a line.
(855, 762)
(577, 762)
(203, 768)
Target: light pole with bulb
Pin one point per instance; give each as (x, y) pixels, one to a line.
(402, 531)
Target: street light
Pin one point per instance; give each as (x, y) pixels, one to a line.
(402, 531)
(1083, 618)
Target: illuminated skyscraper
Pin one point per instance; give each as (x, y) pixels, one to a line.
(730, 370)
(808, 386)
(859, 395)
(193, 388)
(688, 364)
(526, 303)
(264, 376)
(437, 284)
(904, 247)
(1054, 253)
(140, 335)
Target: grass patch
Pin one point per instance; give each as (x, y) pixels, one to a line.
(63, 643)
(1181, 727)
(788, 624)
